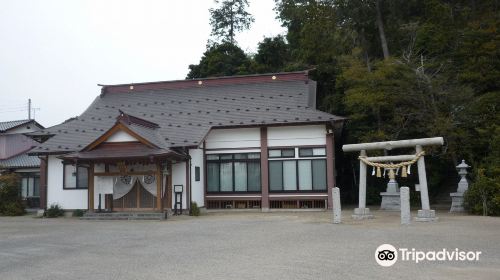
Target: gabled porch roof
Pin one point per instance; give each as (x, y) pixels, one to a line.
(147, 146)
(107, 152)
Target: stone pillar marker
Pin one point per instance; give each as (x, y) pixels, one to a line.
(457, 198)
(405, 206)
(362, 212)
(337, 214)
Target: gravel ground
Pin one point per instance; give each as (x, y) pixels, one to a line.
(278, 245)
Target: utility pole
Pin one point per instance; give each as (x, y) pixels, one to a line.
(29, 109)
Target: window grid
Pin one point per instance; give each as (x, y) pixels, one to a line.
(301, 154)
(220, 159)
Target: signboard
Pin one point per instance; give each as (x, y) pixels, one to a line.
(178, 188)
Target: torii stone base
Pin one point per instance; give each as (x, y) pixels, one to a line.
(426, 216)
(362, 214)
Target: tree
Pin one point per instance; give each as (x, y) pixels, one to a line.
(381, 31)
(224, 59)
(312, 30)
(273, 54)
(10, 201)
(229, 18)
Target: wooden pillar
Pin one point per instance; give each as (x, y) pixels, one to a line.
(168, 191)
(43, 181)
(91, 188)
(330, 167)
(159, 204)
(264, 170)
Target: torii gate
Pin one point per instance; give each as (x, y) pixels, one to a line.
(425, 214)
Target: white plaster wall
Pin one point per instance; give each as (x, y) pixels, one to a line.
(233, 151)
(296, 135)
(100, 167)
(102, 185)
(121, 136)
(197, 191)
(67, 199)
(233, 138)
(179, 178)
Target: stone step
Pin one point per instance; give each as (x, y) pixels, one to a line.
(124, 216)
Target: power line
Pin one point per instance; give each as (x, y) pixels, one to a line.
(11, 111)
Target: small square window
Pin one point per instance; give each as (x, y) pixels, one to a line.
(274, 153)
(212, 157)
(319, 151)
(288, 153)
(305, 152)
(226, 157)
(240, 156)
(253, 155)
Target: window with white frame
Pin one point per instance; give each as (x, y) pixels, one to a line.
(297, 169)
(233, 172)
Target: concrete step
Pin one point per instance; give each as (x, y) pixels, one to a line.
(124, 216)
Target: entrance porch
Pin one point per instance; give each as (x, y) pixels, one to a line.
(124, 179)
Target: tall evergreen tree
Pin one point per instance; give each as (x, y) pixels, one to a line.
(229, 18)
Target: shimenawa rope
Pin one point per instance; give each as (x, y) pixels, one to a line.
(403, 164)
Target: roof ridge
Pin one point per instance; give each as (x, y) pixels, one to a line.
(305, 72)
(200, 83)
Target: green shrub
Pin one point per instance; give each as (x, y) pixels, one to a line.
(483, 196)
(13, 209)
(195, 210)
(10, 201)
(54, 211)
(78, 213)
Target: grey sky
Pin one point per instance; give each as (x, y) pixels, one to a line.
(56, 52)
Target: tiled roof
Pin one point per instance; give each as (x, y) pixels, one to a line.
(5, 126)
(11, 124)
(20, 161)
(187, 110)
(117, 150)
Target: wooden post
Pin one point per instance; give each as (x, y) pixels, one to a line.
(91, 188)
(168, 191)
(43, 181)
(159, 204)
(264, 170)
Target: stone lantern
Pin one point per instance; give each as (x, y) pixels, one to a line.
(457, 198)
(391, 197)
